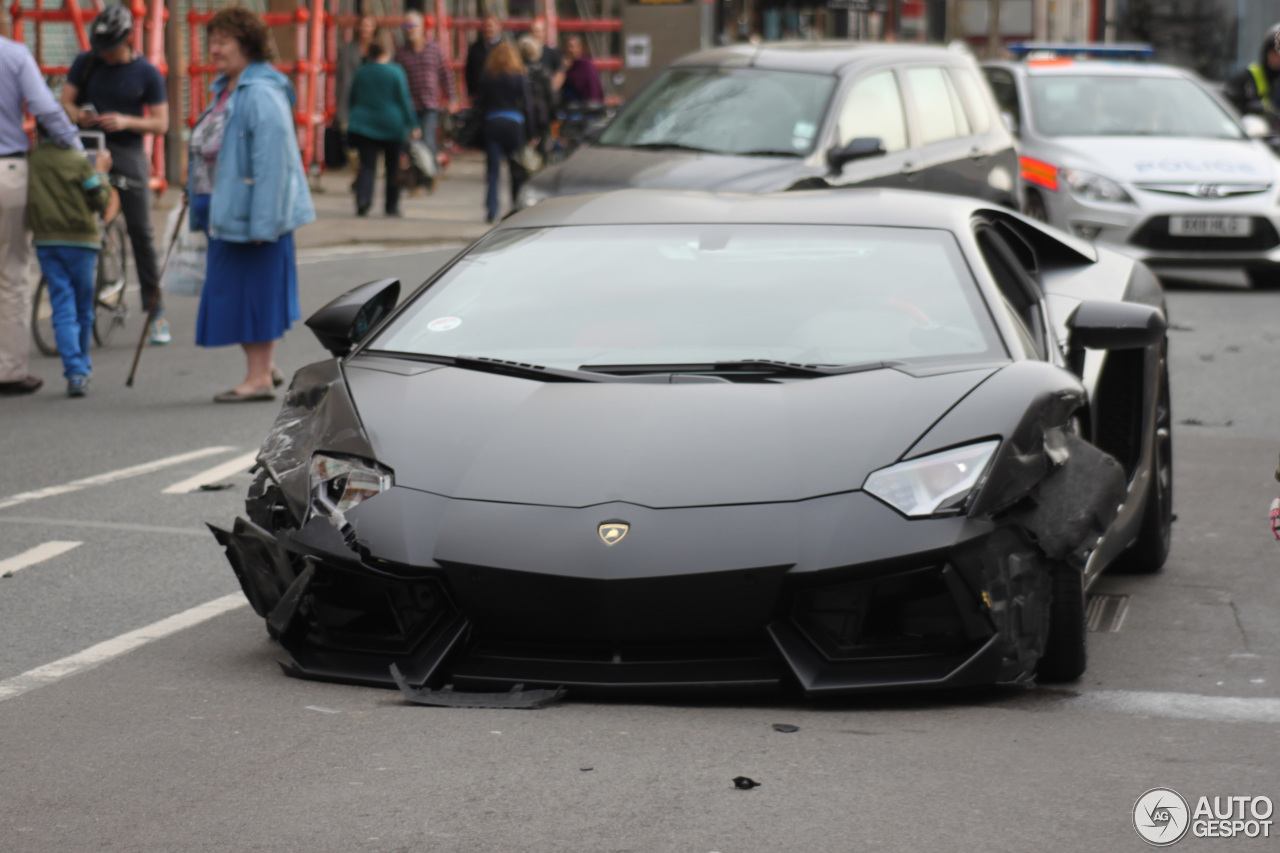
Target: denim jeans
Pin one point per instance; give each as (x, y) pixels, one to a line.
(503, 139)
(429, 120)
(135, 204)
(69, 273)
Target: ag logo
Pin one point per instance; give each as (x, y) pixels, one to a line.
(1161, 816)
(613, 532)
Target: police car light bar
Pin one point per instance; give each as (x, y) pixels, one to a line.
(1097, 50)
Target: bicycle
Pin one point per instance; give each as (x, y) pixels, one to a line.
(110, 311)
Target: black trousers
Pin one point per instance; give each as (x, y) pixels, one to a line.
(135, 204)
(369, 150)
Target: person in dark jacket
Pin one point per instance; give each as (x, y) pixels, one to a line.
(582, 79)
(382, 119)
(1253, 89)
(478, 52)
(505, 100)
(540, 87)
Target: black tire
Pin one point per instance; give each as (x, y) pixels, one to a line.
(110, 309)
(1064, 657)
(42, 320)
(1264, 279)
(1148, 553)
(1034, 207)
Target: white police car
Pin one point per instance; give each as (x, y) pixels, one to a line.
(1145, 158)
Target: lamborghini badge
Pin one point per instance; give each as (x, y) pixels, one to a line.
(613, 532)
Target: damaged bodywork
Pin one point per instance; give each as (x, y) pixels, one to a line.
(477, 526)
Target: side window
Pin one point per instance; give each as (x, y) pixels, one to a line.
(874, 108)
(936, 105)
(1006, 92)
(979, 109)
(1019, 294)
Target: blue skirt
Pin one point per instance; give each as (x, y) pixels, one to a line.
(250, 293)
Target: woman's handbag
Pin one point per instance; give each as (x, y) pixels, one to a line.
(184, 273)
(529, 159)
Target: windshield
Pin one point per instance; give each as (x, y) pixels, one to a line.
(738, 111)
(1082, 105)
(694, 294)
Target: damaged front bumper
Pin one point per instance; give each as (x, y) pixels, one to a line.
(913, 603)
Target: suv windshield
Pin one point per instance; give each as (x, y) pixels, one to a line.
(725, 111)
(1123, 105)
(695, 294)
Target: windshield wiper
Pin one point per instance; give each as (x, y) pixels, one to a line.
(672, 146)
(484, 364)
(741, 367)
(768, 152)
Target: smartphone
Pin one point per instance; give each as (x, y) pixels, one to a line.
(94, 142)
(90, 110)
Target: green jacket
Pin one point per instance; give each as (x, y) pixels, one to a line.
(379, 102)
(63, 192)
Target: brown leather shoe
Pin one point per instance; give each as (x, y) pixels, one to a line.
(26, 385)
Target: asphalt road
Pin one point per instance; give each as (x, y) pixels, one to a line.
(194, 740)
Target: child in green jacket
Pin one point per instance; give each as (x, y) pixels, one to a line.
(64, 191)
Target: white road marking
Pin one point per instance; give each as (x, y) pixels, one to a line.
(38, 554)
(114, 648)
(226, 469)
(111, 476)
(1184, 706)
(41, 521)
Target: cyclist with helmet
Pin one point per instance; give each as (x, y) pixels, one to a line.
(107, 88)
(1253, 89)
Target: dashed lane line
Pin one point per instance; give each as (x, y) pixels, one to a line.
(123, 527)
(114, 648)
(236, 466)
(38, 554)
(110, 476)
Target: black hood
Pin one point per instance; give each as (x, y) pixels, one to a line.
(480, 436)
(598, 169)
(1268, 45)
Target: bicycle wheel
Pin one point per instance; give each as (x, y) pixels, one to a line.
(42, 320)
(110, 309)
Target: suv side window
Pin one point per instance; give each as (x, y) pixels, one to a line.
(978, 106)
(1006, 92)
(1020, 294)
(938, 109)
(874, 108)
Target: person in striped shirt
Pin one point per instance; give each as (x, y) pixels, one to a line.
(429, 76)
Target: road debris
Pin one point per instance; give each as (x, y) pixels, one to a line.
(447, 697)
(745, 783)
(785, 728)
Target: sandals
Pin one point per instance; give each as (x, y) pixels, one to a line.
(267, 393)
(233, 396)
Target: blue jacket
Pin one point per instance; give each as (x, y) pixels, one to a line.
(260, 190)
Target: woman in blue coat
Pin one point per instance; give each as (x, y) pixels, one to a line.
(249, 193)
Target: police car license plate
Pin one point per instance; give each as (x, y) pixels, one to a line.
(1210, 226)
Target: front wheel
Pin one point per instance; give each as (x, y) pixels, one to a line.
(1149, 551)
(42, 320)
(1064, 656)
(109, 307)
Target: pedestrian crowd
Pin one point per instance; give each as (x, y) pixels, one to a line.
(246, 188)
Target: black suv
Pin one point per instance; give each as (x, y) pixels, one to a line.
(802, 115)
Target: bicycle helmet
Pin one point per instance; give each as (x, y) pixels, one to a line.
(112, 26)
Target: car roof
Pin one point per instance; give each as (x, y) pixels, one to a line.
(816, 57)
(894, 208)
(1094, 67)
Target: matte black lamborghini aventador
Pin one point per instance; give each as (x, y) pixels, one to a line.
(658, 440)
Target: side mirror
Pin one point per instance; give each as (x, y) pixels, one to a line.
(857, 149)
(1010, 122)
(346, 321)
(1255, 127)
(1116, 325)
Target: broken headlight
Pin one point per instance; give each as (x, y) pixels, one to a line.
(937, 484)
(340, 483)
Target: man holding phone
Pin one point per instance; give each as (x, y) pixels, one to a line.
(107, 89)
